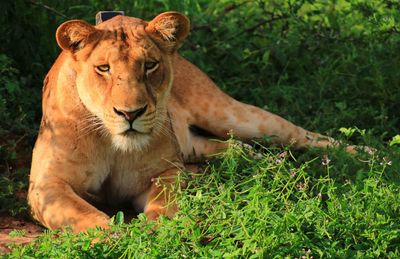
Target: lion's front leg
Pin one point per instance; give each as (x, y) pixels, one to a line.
(56, 206)
(161, 199)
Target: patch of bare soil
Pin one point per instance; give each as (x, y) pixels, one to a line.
(8, 224)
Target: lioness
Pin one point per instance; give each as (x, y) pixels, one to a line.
(118, 107)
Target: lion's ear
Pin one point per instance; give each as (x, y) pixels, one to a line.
(168, 30)
(72, 35)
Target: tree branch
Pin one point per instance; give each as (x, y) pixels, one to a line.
(48, 8)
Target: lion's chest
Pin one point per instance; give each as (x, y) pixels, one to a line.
(129, 178)
(122, 177)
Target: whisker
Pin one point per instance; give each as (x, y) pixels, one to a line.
(90, 123)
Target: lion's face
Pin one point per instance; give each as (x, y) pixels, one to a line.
(125, 84)
(124, 73)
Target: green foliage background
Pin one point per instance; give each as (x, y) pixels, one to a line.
(321, 64)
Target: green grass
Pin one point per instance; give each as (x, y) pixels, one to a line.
(324, 65)
(260, 206)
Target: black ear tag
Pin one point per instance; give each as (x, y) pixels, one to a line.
(103, 16)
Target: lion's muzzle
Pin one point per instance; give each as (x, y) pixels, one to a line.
(131, 116)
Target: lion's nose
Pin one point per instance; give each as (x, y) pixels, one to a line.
(131, 116)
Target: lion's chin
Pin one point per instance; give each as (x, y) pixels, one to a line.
(131, 142)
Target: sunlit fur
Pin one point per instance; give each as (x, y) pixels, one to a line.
(125, 86)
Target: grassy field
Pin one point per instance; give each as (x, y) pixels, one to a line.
(329, 66)
(329, 205)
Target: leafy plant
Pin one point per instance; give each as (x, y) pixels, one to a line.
(265, 207)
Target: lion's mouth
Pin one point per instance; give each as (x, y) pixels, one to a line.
(133, 132)
(130, 132)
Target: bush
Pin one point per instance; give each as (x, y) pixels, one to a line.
(17, 127)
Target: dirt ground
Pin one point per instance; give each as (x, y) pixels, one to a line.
(8, 224)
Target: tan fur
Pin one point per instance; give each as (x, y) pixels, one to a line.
(83, 156)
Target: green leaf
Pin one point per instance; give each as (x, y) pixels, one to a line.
(265, 57)
(395, 140)
(348, 132)
(119, 218)
(86, 245)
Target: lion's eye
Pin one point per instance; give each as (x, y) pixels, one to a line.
(103, 68)
(150, 66)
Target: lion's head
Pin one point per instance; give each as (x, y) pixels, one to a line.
(124, 72)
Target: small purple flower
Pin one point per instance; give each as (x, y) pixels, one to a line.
(386, 161)
(325, 160)
(283, 154)
(301, 186)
